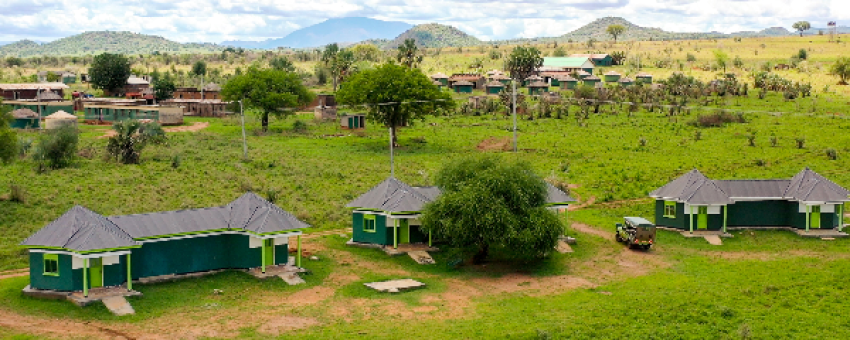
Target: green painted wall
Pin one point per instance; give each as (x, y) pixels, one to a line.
(747, 214)
(25, 123)
(281, 252)
(555, 82)
(679, 222)
(494, 90)
(195, 255)
(611, 79)
(760, 213)
(463, 88)
(607, 61)
(570, 84)
(68, 279)
(382, 234)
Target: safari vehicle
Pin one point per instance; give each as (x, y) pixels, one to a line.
(636, 232)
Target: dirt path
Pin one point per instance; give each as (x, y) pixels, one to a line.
(14, 273)
(196, 126)
(584, 228)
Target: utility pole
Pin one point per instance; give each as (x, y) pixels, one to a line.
(244, 143)
(392, 160)
(513, 106)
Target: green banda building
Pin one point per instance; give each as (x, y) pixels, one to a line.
(694, 202)
(83, 250)
(388, 214)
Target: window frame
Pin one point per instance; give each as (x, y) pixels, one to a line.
(370, 220)
(46, 258)
(670, 209)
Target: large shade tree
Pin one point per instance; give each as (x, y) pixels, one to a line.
(615, 31)
(801, 26)
(492, 203)
(269, 91)
(523, 62)
(394, 95)
(339, 62)
(109, 72)
(8, 137)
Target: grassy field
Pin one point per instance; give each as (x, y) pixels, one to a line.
(758, 285)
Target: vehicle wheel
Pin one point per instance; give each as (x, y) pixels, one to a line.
(646, 247)
(618, 238)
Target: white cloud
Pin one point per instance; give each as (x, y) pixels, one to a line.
(218, 20)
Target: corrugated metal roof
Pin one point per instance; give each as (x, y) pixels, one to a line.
(495, 84)
(439, 75)
(749, 188)
(538, 84)
(393, 195)
(591, 56)
(462, 83)
(555, 195)
(810, 186)
(34, 86)
(137, 81)
(464, 76)
(81, 229)
(24, 114)
(693, 188)
(571, 62)
(48, 95)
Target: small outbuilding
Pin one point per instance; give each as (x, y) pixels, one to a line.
(59, 120)
(537, 87)
(643, 78)
(463, 86)
(568, 82)
(599, 59)
(504, 79)
(25, 119)
(353, 122)
(626, 81)
(612, 76)
(477, 80)
(591, 80)
(494, 87)
(438, 84)
(532, 79)
(583, 74)
(440, 77)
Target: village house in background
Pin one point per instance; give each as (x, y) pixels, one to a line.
(30, 91)
(203, 102)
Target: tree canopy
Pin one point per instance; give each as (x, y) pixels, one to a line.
(131, 137)
(339, 62)
(394, 95)
(492, 203)
(841, 68)
(801, 26)
(282, 63)
(163, 86)
(269, 91)
(8, 137)
(199, 68)
(109, 72)
(615, 31)
(409, 54)
(523, 62)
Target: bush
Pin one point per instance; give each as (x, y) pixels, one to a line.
(773, 141)
(802, 54)
(56, 149)
(299, 127)
(801, 142)
(131, 138)
(832, 154)
(751, 139)
(691, 58)
(18, 194)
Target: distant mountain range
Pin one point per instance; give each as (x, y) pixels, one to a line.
(337, 30)
(347, 31)
(104, 41)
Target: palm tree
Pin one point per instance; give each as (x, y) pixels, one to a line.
(408, 54)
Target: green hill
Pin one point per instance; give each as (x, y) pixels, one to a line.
(104, 41)
(596, 30)
(435, 35)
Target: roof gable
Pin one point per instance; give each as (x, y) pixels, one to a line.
(555, 195)
(693, 188)
(392, 195)
(81, 229)
(808, 185)
(571, 62)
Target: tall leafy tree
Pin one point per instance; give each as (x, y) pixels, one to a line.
(282, 63)
(339, 62)
(163, 86)
(615, 31)
(409, 54)
(8, 137)
(722, 59)
(269, 91)
(492, 203)
(394, 95)
(109, 72)
(801, 26)
(199, 68)
(523, 62)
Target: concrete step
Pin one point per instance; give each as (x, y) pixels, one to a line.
(421, 257)
(292, 279)
(713, 240)
(562, 247)
(395, 286)
(118, 305)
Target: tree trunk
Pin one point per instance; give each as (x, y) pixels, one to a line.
(265, 121)
(483, 252)
(335, 83)
(395, 136)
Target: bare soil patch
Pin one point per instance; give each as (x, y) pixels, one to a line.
(285, 324)
(14, 273)
(584, 228)
(495, 144)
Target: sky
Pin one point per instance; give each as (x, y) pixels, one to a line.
(219, 20)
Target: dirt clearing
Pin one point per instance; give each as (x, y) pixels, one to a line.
(196, 126)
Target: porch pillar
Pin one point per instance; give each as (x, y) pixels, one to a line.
(808, 208)
(298, 259)
(725, 213)
(429, 238)
(692, 220)
(263, 252)
(129, 274)
(841, 216)
(395, 233)
(86, 277)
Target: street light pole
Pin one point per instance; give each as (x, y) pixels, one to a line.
(244, 143)
(513, 99)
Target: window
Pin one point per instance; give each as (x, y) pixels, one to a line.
(670, 209)
(369, 223)
(51, 264)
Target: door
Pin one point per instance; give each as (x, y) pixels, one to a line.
(404, 231)
(96, 272)
(702, 218)
(815, 217)
(268, 249)
(351, 124)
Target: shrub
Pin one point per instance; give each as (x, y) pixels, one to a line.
(299, 126)
(56, 149)
(773, 141)
(18, 194)
(175, 162)
(131, 138)
(642, 141)
(751, 139)
(718, 119)
(24, 146)
(832, 154)
(803, 54)
(697, 135)
(272, 195)
(801, 142)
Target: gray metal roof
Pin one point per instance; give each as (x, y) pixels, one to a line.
(555, 195)
(638, 221)
(807, 185)
(393, 195)
(81, 229)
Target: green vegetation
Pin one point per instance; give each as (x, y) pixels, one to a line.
(409, 54)
(131, 137)
(523, 61)
(615, 31)
(109, 72)
(90, 43)
(270, 91)
(801, 26)
(435, 36)
(8, 137)
(163, 87)
(841, 69)
(492, 203)
(56, 149)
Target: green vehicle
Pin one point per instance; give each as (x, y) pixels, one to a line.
(636, 232)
